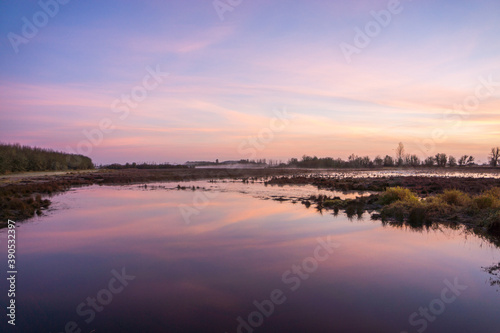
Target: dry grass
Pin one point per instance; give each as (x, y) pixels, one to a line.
(455, 198)
(395, 194)
(482, 210)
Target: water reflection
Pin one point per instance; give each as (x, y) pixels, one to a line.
(257, 189)
(494, 271)
(204, 276)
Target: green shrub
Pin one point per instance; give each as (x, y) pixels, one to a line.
(397, 210)
(413, 210)
(333, 203)
(484, 201)
(481, 210)
(437, 206)
(394, 194)
(455, 198)
(493, 192)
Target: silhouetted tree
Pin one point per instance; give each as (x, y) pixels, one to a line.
(452, 161)
(388, 161)
(144, 165)
(356, 161)
(494, 156)
(441, 160)
(366, 161)
(429, 161)
(17, 158)
(400, 152)
(412, 160)
(378, 161)
(463, 160)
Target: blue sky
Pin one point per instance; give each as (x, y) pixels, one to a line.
(227, 78)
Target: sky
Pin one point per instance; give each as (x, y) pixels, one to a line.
(175, 81)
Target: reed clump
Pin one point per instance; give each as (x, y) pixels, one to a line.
(395, 194)
(481, 210)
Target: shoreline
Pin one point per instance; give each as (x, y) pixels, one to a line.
(21, 194)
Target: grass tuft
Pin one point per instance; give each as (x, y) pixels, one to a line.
(455, 198)
(394, 194)
(481, 210)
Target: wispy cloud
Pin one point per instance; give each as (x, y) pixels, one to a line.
(226, 78)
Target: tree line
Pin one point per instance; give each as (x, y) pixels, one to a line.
(400, 159)
(134, 165)
(17, 158)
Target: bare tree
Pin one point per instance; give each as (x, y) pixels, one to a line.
(412, 160)
(400, 153)
(463, 160)
(494, 156)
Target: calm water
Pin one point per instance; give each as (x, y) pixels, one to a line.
(225, 261)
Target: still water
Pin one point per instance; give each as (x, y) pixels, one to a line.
(135, 259)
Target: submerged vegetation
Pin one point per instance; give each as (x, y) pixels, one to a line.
(494, 271)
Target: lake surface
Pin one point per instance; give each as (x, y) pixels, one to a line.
(156, 259)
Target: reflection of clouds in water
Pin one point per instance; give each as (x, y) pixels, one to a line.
(236, 253)
(259, 189)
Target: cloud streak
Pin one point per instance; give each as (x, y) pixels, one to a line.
(228, 77)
